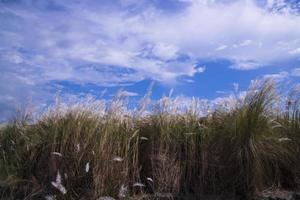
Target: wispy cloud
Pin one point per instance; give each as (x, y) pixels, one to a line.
(296, 72)
(126, 93)
(281, 76)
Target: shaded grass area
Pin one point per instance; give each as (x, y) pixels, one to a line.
(88, 152)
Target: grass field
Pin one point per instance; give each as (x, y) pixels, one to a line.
(90, 150)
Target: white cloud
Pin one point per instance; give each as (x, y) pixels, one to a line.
(246, 42)
(201, 69)
(222, 47)
(236, 86)
(245, 65)
(295, 72)
(277, 76)
(189, 81)
(295, 51)
(242, 44)
(126, 93)
(246, 31)
(165, 51)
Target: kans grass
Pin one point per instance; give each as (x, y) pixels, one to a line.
(90, 150)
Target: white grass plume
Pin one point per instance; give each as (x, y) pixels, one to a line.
(50, 197)
(137, 184)
(123, 191)
(144, 138)
(78, 147)
(57, 154)
(118, 159)
(105, 198)
(58, 185)
(87, 167)
(149, 179)
(191, 133)
(284, 139)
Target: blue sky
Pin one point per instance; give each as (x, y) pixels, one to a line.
(199, 48)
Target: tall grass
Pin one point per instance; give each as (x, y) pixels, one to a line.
(90, 150)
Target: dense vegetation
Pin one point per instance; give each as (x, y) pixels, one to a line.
(87, 150)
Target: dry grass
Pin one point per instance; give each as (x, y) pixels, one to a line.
(89, 149)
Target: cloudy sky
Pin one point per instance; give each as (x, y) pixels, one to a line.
(202, 48)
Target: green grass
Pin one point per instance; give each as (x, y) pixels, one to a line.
(107, 151)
